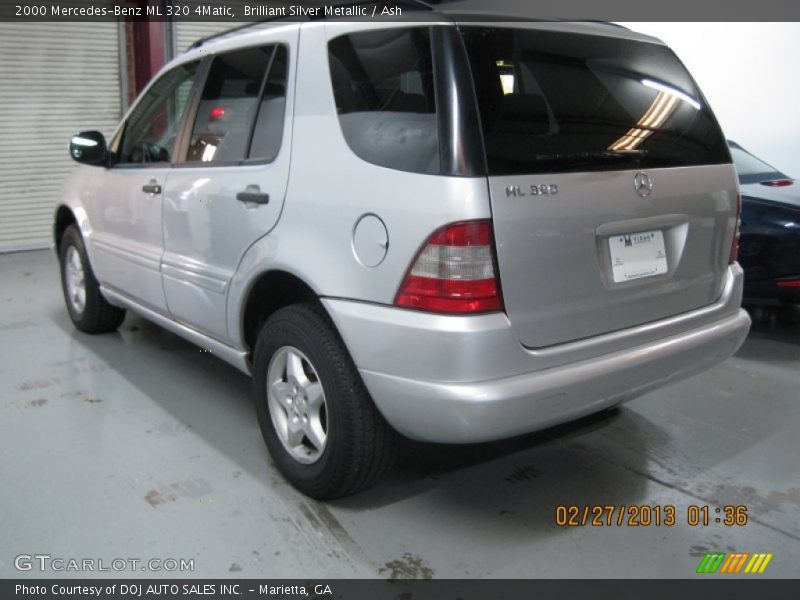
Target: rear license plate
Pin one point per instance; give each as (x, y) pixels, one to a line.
(637, 255)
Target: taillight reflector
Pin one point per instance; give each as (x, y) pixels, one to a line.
(778, 182)
(454, 272)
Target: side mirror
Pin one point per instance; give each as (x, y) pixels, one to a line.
(89, 147)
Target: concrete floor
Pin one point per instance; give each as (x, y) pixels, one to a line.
(138, 445)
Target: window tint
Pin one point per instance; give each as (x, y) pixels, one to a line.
(152, 127)
(384, 91)
(228, 105)
(268, 132)
(555, 102)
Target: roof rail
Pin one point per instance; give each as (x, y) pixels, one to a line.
(609, 23)
(417, 4)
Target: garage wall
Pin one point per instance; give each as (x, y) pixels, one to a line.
(187, 33)
(748, 73)
(57, 78)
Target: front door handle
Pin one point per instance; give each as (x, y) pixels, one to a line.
(152, 187)
(252, 194)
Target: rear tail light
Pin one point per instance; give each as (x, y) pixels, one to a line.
(778, 182)
(735, 244)
(789, 284)
(454, 272)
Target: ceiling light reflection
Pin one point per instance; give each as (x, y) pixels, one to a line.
(667, 89)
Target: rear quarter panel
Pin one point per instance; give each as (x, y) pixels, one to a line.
(330, 189)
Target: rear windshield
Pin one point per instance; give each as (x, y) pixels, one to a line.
(558, 102)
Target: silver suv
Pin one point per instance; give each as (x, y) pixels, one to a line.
(454, 230)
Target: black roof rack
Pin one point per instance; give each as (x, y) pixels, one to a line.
(426, 5)
(414, 4)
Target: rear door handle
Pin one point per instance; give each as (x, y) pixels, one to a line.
(152, 187)
(253, 194)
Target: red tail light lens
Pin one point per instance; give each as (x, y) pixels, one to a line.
(778, 182)
(454, 272)
(789, 284)
(735, 245)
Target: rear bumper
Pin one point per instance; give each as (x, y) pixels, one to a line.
(467, 379)
(474, 412)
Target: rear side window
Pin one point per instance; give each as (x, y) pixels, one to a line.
(268, 131)
(558, 102)
(243, 88)
(384, 90)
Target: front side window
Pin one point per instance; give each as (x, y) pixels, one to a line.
(152, 128)
(239, 93)
(557, 102)
(383, 85)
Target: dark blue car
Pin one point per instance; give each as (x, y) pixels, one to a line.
(769, 247)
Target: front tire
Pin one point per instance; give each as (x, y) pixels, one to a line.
(317, 418)
(89, 310)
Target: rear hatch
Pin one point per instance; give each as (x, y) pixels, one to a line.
(613, 196)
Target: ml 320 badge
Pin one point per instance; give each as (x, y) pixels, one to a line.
(532, 190)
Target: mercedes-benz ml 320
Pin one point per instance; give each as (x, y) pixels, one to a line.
(452, 230)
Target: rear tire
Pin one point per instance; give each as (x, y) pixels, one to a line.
(317, 418)
(89, 310)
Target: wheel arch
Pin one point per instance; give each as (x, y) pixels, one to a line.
(70, 213)
(268, 292)
(64, 217)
